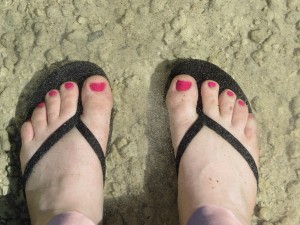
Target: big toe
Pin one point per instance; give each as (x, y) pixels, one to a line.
(97, 104)
(181, 102)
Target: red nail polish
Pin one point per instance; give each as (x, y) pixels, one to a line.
(69, 85)
(230, 93)
(52, 93)
(41, 105)
(241, 103)
(211, 84)
(97, 87)
(182, 85)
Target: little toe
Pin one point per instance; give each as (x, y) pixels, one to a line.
(39, 118)
(53, 105)
(226, 104)
(181, 102)
(97, 104)
(69, 100)
(240, 115)
(210, 98)
(251, 135)
(27, 132)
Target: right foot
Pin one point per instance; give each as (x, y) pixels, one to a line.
(211, 171)
(69, 177)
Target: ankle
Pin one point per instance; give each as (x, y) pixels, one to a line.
(72, 217)
(213, 215)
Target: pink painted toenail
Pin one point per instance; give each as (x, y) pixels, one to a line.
(97, 87)
(52, 93)
(182, 85)
(211, 84)
(241, 103)
(41, 105)
(69, 85)
(230, 93)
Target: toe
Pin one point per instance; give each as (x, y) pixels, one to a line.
(97, 104)
(210, 98)
(27, 132)
(53, 105)
(226, 104)
(251, 127)
(181, 102)
(39, 118)
(69, 100)
(240, 115)
(251, 135)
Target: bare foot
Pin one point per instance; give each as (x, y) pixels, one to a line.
(211, 172)
(69, 177)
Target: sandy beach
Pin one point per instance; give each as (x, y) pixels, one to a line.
(136, 42)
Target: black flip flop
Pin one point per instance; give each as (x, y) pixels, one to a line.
(201, 71)
(77, 72)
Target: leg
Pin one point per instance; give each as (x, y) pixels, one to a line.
(211, 172)
(69, 177)
(73, 218)
(213, 215)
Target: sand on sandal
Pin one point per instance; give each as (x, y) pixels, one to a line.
(258, 42)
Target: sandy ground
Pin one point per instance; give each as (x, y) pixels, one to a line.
(134, 41)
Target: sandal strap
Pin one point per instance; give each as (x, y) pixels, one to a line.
(46, 146)
(92, 140)
(186, 140)
(74, 121)
(226, 135)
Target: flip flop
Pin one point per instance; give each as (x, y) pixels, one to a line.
(201, 71)
(77, 72)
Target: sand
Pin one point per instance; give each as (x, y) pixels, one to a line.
(135, 42)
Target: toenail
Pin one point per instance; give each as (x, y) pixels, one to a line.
(241, 102)
(52, 93)
(69, 85)
(211, 84)
(230, 93)
(41, 105)
(182, 85)
(97, 87)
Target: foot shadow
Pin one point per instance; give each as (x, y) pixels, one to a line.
(158, 203)
(160, 174)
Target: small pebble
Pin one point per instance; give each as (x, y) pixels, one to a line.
(294, 150)
(295, 105)
(256, 104)
(258, 36)
(77, 36)
(120, 143)
(265, 214)
(81, 20)
(298, 25)
(293, 4)
(4, 190)
(292, 17)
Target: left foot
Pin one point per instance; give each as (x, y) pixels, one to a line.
(211, 171)
(69, 177)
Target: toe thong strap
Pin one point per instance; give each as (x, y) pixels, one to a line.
(92, 140)
(205, 120)
(46, 146)
(56, 136)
